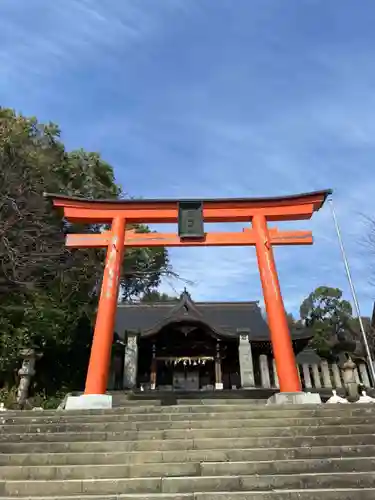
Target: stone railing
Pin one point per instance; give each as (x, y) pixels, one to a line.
(313, 376)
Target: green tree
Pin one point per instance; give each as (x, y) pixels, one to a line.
(328, 315)
(355, 334)
(142, 269)
(156, 296)
(48, 294)
(292, 322)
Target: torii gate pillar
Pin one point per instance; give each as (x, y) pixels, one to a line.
(280, 336)
(257, 210)
(99, 365)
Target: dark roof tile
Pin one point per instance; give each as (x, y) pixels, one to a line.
(226, 319)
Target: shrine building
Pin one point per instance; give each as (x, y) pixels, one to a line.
(192, 346)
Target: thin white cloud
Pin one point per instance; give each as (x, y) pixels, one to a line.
(71, 35)
(239, 105)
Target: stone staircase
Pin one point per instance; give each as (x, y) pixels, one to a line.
(192, 450)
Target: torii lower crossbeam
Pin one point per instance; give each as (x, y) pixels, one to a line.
(134, 239)
(123, 215)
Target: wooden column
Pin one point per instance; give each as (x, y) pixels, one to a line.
(100, 358)
(153, 370)
(218, 373)
(280, 337)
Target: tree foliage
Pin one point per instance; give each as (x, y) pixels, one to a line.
(152, 296)
(355, 333)
(331, 320)
(48, 294)
(327, 314)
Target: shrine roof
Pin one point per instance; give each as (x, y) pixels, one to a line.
(225, 319)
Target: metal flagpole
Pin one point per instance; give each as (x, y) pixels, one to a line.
(352, 289)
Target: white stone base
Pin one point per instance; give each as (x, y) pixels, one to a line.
(89, 402)
(219, 386)
(294, 398)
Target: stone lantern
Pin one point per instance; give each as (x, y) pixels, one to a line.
(26, 372)
(349, 378)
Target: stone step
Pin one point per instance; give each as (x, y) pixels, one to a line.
(187, 484)
(224, 394)
(180, 469)
(123, 402)
(258, 410)
(190, 423)
(170, 398)
(177, 413)
(142, 408)
(169, 434)
(321, 494)
(150, 457)
(187, 444)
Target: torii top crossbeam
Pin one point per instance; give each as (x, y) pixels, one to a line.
(257, 211)
(295, 207)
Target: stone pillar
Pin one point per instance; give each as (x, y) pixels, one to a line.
(336, 376)
(364, 375)
(218, 372)
(131, 362)
(26, 372)
(326, 375)
(246, 363)
(306, 375)
(316, 376)
(275, 377)
(264, 371)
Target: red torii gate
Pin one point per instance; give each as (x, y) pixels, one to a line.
(258, 211)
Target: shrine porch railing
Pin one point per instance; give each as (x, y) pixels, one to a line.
(313, 376)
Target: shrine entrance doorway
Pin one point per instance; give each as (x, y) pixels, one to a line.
(187, 356)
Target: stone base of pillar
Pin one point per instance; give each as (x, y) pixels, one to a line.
(219, 386)
(294, 398)
(89, 402)
(352, 389)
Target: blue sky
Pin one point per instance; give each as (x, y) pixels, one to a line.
(206, 98)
